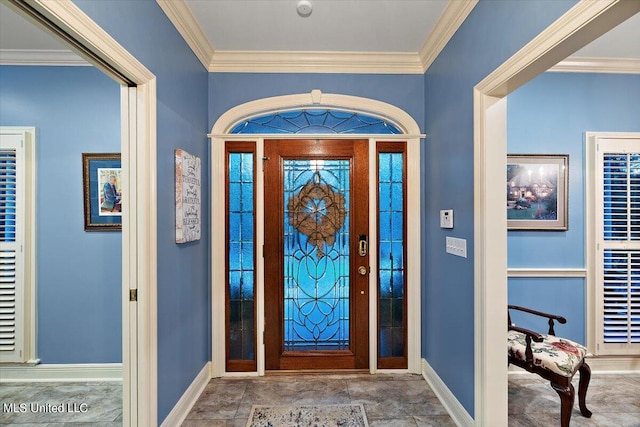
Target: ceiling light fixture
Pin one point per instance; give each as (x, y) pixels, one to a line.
(304, 8)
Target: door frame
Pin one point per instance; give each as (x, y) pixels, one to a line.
(579, 26)
(139, 221)
(316, 99)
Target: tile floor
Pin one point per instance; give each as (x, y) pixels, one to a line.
(389, 400)
(614, 400)
(103, 402)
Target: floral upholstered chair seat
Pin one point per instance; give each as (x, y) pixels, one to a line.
(552, 358)
(556, 354)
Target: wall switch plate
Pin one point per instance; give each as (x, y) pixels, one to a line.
(457, 247)
(446, 218)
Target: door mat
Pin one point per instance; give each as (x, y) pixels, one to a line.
(346, 415)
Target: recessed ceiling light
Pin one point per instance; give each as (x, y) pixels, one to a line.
(304, 8)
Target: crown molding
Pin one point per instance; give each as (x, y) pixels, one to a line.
(182, 18)
(315, 62)
(566, 35)
(40, 57)
(451, 19)
(576, 64)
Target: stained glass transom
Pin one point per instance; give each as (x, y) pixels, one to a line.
(241, 256)
(315, 121)
(316, 254)
(391, 254)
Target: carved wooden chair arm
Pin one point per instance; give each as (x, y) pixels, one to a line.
(534, 335)
(551, 317)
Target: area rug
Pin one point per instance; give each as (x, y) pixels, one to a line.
(347, 415)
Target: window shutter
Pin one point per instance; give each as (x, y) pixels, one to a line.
(618, 253)
(12, 233)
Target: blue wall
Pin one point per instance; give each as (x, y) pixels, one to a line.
(183, 270)
(493, 32)
(550, 115)
(74, 110)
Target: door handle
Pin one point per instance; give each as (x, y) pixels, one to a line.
(362, 245)
(362, 270)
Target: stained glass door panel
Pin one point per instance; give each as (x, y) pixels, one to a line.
(316, 213)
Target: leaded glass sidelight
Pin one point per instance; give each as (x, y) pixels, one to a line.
(315, 121)
(240, 257)
(316, 254)
(391, 253)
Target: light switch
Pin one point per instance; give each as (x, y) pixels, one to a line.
(446, 218)
(457, 247)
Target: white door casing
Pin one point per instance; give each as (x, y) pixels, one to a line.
(315, 99)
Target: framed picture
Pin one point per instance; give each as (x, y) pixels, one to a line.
(537, 186)
(102, 182)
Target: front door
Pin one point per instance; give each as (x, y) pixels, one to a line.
(316, 254)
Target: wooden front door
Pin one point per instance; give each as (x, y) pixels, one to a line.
(316, 254)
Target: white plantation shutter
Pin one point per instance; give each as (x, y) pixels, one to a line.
(618, 245)
(12, 237)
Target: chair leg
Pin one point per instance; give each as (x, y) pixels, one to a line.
(567, 396)
(585, 377)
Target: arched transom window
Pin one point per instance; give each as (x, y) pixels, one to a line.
(315, 121)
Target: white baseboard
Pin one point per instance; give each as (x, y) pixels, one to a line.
(189, 398)
(61, 372)
(455, 409)
(612, 364)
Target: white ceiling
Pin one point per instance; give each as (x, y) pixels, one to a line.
(18, 33)
(334, 26)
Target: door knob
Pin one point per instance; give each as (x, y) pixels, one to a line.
(362, 270)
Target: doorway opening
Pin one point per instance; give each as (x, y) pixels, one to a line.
(332, 222)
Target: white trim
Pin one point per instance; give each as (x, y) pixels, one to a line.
(41, 57)
(578, 64)
(547, 272)
(451, 19)
(61, 372)
(182, 18)
(245, 61)
(218, 266)
(612, 364)
(580, 25)
(140, 240)
(593, 229)
(455, 409)
(243, 137)
(30, 330)
(315, 62)
(317, 99)
(490, 261)
(189, 398)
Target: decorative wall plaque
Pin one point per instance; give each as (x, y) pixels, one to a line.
(188, 191)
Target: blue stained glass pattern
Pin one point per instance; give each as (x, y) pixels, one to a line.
(391, 254)
(316, 254)
(241, 256)
(315, 121)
